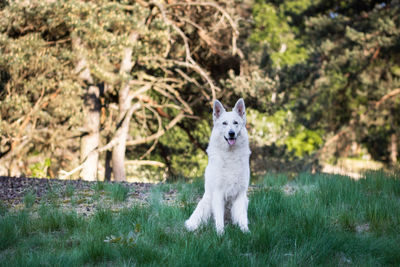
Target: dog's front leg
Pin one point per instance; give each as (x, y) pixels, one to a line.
(200, 214)
(218, 205)
(239, 212)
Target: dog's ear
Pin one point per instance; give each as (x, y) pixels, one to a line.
(218, 110)
(240, 108)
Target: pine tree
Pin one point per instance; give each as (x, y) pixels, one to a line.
(96, 76)
(351, 87)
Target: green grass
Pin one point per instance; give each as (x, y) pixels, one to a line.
(118, 192)
(306, 221)
(69, 191)
(29, 199)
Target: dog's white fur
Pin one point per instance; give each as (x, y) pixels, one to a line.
(227, 174)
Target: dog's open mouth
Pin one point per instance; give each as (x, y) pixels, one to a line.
(231, 140)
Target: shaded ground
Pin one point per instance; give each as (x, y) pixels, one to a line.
(84, 196)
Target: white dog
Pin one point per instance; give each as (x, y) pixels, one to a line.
(227, 174)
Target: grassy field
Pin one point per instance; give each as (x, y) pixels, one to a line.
(306, 221)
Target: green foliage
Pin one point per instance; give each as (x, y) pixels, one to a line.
(187, 159)
(46, 47)
(281, 129)
(310, 70)
(39, 169)
(276, 32)
(345, 62)
(304, 142)
(269, 129)
(355, 73)
(34, 69)
(258, 88)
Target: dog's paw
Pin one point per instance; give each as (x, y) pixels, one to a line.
(190, 226)
(245, 229)
(220, 230)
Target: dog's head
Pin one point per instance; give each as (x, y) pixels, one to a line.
(230, 124)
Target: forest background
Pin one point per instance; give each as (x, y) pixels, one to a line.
(122, 89)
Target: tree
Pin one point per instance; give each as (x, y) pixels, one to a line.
(276, 56)
(317, 71)
(136, 69)
(40, 98)
(90, 141)
(351, 67)
(277, 34)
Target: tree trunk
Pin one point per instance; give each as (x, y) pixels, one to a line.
(393, 149)
(108, 168)
(118, 157)
(92, 107)
(91, 141)
(118, 153)
(124, 103)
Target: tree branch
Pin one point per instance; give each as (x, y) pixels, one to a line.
(145, 162)
(190, 62)
(235, 31)
(109, 146)
(157, 135)
(387, 96)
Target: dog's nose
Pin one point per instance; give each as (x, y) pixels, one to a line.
(231, 134)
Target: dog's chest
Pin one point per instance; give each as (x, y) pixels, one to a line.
(232, 173)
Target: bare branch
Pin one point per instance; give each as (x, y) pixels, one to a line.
(235, 31)
(159, 120)
(194, 67)
(190, 62)
(82, 68)
(127, 64)
(126, 120)
(64, 174)
(26, 121)
(176, 28)
(109, 146)
(145, 162)
(199, 70)
(139, 91)
(186, 77)
(157, 135)
(158, 131)
(387, 96)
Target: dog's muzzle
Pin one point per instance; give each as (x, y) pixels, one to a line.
(231, 139)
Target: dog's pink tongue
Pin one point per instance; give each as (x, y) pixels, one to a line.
(231, 141)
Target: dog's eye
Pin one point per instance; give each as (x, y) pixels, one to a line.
(235, 122)
(225, 123)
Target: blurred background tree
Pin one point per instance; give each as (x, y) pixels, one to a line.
(334, 64)
(97, 76)
(349, 89)
(101, 88)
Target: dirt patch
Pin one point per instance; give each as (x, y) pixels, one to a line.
(83, 196)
